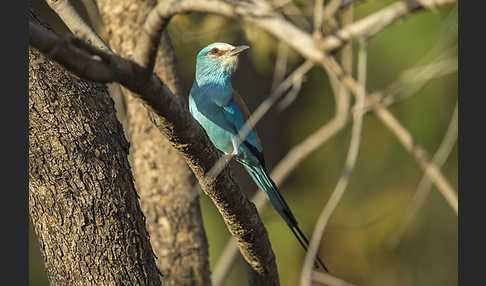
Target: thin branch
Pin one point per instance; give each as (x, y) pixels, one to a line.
(68, 14)
(94, 17)
(290, 10)
(318, 15)
(329, 20)
(411, 81)
(291, 95)
(425, 185)
(305, 278)
(402, 134)
(348, 3)
(264, 17)
(76, 24)
(227, 259)
(280, 64)
(326, 279)
(372, 24)
(421, 156)
(183, 133)
(147, 46)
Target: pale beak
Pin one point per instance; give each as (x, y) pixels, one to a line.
(236, 50)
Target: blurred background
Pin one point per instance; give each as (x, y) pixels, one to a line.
(356, 244)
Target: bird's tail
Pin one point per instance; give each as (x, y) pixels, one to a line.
(260, 176)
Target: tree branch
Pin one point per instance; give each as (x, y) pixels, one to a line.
(326, 279)
(305, 278)
(374, 23)
(425, 185)
(68, 14)
(420, 155)
(280, 65)
(264, 17)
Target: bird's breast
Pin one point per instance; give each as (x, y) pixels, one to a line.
(212, 119)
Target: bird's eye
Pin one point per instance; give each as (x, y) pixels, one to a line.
(214, 51)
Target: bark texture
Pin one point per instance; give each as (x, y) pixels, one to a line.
(82, 200)
(163, 179)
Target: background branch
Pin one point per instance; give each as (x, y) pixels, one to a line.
(422, 158)
(425, 185)
(68, 14)
(280, 65)
(326, 279)
(303, 43)
(338, 192)
(374, 23)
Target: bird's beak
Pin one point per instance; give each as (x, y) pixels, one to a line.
(235, 51)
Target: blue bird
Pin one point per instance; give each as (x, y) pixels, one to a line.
(221, 112)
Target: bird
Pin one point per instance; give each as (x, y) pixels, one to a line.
(221, 112)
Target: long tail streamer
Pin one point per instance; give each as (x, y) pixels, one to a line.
(260, 175)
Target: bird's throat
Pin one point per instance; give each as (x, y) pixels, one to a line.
(216, 85)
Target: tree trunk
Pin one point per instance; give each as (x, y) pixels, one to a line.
(163, 179)
(82, 200)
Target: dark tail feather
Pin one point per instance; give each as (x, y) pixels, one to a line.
(305, 244)
(261, 178)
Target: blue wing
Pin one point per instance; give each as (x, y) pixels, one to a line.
(237, 114)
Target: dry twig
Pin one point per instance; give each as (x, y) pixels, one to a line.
(424, 187)
(68, 14)
(75, 23)
(280, 65)
(372, 24)
(329, 280)
(305, 279)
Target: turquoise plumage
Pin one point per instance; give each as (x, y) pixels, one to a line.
(222, 113)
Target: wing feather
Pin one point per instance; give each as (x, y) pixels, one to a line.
(240, 103)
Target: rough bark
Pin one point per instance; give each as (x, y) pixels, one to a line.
(82, 200)
(163, 179)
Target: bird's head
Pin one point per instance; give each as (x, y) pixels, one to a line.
(217, 62)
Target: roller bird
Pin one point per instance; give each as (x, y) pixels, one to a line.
(221, 112)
